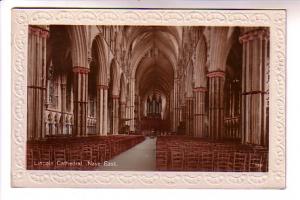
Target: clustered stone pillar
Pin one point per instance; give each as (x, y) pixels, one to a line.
(189, 110)
(216, 81)
(137, 113)
(132, 105)
(105, 114)
(255, 55)
(80, 60)
(172, 111)
(232, 102)
(199, 111)
(219, 45)
(36, 82)
(122, 112)
(101, 115)
(182, 121)
(127, 113)
(115, 127)
(80, 90)
(181, 114)
(63, 103)
(176, 104)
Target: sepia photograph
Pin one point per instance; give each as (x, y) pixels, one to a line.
(150, 98)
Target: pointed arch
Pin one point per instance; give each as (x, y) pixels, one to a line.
(81, 51)
(189, 81)
(200, 63)
(115, 78)
(219, 47)
(100, 57)
(123, 88)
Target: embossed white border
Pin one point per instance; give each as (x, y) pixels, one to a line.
(275, 19)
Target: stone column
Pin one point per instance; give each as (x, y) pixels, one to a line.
(132, 104)
(147, 108)
(122, 113)
(235, 108)
(101, 111)
(189, 116)
(80, 51)
(115, 127)
(227, 108)
(36, 82)
(80, 91)
(160, 106)
(232, 93)
(219, 43)
(199, 111)
(231, 114)
(105, 107)
(182, 113)
(176, 104)
(172, 111)
(127, 109)
(137, 112)
(216, 81)
(63, 86)
(255, 58)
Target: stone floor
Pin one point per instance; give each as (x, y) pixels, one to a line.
(141, 157)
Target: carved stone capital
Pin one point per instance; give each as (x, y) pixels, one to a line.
(81, 70)
(255, 34)
(200, 89)
(216, 74)
(38, 32)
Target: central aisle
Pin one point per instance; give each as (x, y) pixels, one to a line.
(141, 157)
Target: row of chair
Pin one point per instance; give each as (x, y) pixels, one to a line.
(188, 154)
(83, 153)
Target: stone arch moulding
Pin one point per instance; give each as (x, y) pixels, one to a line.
(101, 58)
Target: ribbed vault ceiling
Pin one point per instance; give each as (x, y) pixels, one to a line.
(155, 69)
(154, 73)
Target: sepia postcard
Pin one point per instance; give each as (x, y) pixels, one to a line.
(151, 98)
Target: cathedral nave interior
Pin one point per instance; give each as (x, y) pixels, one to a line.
(200, 93)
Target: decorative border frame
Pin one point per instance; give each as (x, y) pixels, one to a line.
(275, 19)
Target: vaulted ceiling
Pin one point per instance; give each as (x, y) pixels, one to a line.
(155, 51)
